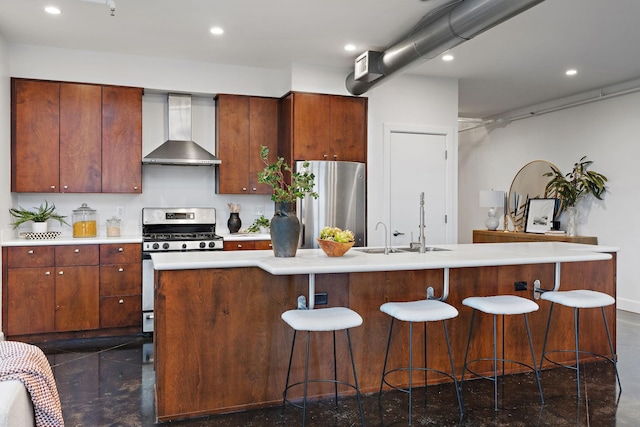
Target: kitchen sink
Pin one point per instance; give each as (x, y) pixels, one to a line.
(426, 249)
(400, 250)
(378, 250)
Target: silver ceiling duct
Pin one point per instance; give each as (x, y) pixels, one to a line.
(444, 30)
(180, 149)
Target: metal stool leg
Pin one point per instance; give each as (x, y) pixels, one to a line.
(306, 380)
(335, 369)
(410, 366)
(386, 357)
(613, 356)
(533, 357)
(466, 354)
(355, 378)
(286, 385)
(546, 335)
(576, 327)
(453, 369)
(495, 366)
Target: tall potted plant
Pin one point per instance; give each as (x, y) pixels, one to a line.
(573, 186)
(285, 226)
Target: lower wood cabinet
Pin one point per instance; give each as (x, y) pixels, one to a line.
(499, 236)
(244, 245)
(71, 288)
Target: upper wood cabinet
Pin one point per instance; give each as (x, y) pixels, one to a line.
(76, 138)
(121, 139)
(323, 127)
(243, 125)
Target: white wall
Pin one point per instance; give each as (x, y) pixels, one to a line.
(606, 132)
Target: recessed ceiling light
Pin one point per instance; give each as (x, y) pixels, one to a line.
(447, 57)
(52, 10)
(349, 47)
(571, 72)
(216, 30)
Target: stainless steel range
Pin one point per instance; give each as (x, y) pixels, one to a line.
(173, 230)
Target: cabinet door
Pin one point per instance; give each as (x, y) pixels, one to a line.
(348, 140)
(311, 126)
(263, 130)
(74, 255)
(80, 138)
(30, 301)
(35, 128)
(121, 279)
(232, 140)
(77, 298)
(30, 256)
(121, 139)
(264, 244)
(120, 253)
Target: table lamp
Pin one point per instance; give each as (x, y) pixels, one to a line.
(493, 200)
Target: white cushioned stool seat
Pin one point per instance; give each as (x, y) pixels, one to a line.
(581, 298)
(501, 304)
(419, 311)
(323, 319)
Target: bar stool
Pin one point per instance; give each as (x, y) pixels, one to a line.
(501, 305)
(418, 311)
(321, 320)
(578, 299)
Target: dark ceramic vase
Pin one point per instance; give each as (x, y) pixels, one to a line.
(234, 223)
(285, 231)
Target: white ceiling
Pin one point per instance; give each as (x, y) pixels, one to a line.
(519, 63)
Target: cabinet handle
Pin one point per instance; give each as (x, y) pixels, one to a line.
(121, 301)
(270, 245)
(239, 245)
(48, 273)
(77, 251)
(254, 189)
(325, 156)
(244, 188)
(60, 273)
(135, 187)
(335, 157)
(53, 187)
(30, 251)
(121, 269)
(120, 249)
(65, 187)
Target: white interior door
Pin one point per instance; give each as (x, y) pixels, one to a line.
(417, 162)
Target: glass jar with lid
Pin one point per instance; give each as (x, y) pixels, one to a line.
(113, 227)
(84, 222)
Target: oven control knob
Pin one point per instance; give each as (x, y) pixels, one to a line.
(212, 244)
(184, 246)
(165, 246)
(203, 245)
(156, 245)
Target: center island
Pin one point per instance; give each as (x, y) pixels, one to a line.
(221, 346)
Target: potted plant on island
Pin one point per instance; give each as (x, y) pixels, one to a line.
(573, 186)
(285, 226)
(39, 216)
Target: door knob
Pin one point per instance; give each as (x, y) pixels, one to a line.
(397, 233)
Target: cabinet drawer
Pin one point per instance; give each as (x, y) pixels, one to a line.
(120, 279)
(30, 256)
(76, 255)
(263, 244)
(120, 311)
(120, 253)
(239, 245)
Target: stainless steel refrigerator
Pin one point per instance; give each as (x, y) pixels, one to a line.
(341, 202)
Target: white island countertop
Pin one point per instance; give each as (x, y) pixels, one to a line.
(309, 261)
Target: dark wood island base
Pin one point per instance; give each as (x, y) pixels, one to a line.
(221, 346)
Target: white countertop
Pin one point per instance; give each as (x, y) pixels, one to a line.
(309, 261)
(228, 237)
(70, 240)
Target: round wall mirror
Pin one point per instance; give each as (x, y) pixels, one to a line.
(529, 183)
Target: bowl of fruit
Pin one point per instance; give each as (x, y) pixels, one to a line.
(335, 242)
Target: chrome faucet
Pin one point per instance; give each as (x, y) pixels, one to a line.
(422, 242)
(386, 244)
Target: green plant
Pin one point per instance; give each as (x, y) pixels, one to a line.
(579, 182)
(286, 191)
(40, 214)
(259, 222)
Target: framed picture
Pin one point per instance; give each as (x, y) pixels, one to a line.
(540, 215)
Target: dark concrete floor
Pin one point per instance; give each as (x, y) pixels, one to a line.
(103, 382)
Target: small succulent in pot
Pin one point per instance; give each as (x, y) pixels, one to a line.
(336, 234)
(41, 214)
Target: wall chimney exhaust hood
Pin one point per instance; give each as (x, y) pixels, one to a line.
(180, 149)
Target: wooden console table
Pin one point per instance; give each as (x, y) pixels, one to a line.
(499, 236)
